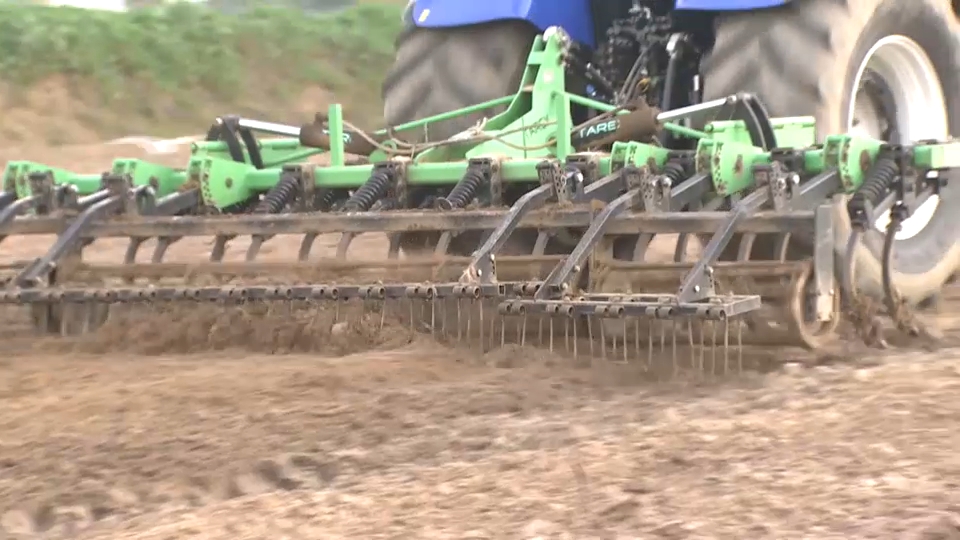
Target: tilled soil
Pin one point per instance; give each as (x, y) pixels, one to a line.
(430, 442)
(393, 435)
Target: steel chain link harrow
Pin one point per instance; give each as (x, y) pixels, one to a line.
(527, 228)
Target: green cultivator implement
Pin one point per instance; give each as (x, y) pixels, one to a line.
(535, 226)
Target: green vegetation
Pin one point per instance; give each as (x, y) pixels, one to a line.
(171, 69)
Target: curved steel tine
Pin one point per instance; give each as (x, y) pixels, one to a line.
(344, 244)
(219, 248)
(160, 250)
(393, 251)
(256, 242)
(306, 246)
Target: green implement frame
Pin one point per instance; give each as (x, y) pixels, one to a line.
(567, 168)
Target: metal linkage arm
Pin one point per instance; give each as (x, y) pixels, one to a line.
(72, 237)
(482, 267)
(559, 277)
(682, 195)
(698, 284)
(7, 198)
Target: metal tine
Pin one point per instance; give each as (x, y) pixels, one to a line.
(613, 345)
(700, 359)
(590, 334)
(503, 331)
(649, 345)
(383, 313)
(713, 348)
(523, 331)
(603, 341)
(442, 309)
(482, 343)
(551, 334)
(576, 346)
(674, 360)
(740, 348)
(726, 346)
(636, 336)
(626, 359)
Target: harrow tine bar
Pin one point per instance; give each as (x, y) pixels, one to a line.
(426, 291)
(636, 306)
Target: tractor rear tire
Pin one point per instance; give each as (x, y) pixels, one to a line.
(438, 70)
(804, 59)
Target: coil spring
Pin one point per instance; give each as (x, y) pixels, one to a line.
(370, 192)
(324, 199)
(675, 172)
(279, 196)
(873, 190)
(464, 191)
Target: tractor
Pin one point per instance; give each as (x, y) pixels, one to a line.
(886, 69)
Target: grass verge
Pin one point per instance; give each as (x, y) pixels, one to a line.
(69, 74)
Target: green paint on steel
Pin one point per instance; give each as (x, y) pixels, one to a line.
(536, 125)
(164, 180)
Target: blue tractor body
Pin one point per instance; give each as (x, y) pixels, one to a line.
(576, 17)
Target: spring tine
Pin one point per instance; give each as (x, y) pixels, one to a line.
(314, 319)
(551, 334)
(649, 345)
(701, 354)
(470, 318)
(493, 322)
(603, 340)
(726, 346)
(503, 338)
(693, 350)
(433, 317)
(566, 336)
(713, 348)
(540, 330)
(523, 332)
(739, 348)
(662, 328)
(443, 319)
(613, 349)
(676, 363)
(636, 336)
(482, 345)
(625, 359)
(383, 313)
(410, 307)
(459, 319)
(590, 334)
(576, 348)
(87, 311)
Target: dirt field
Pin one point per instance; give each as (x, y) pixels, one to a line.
(397, 436)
